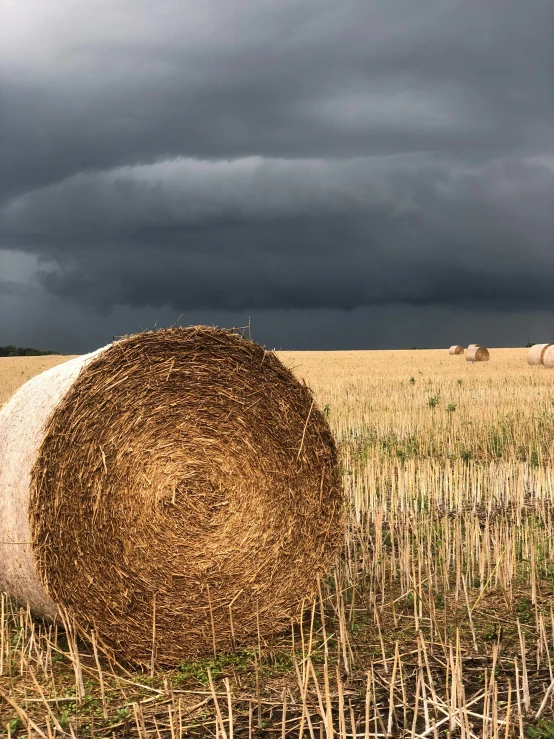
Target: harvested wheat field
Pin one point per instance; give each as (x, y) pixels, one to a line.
(15, 371)
(438, 619)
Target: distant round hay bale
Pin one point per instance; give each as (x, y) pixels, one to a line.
(535, 355)
(180, 483)
(477, 353)
(456, 349)
(548, 357)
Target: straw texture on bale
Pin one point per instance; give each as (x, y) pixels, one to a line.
(535, 355)
(183, 492)
(456, 349)
(472, 346)
(548, 357)
(477, 353)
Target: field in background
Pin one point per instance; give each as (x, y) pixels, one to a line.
(15, 371)
(438, 620)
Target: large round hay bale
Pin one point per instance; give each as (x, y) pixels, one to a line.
(180, 483)
(535, 355)
(456, 349)
(472, 346)
(548, 357)
(477, 353)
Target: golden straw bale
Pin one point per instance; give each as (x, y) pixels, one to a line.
(472, 346)
(548, 357)
(456, 349)
(179, 491)
(477, 353)
(535, 354)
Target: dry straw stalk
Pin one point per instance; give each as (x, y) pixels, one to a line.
(178, 491)
(535, 355)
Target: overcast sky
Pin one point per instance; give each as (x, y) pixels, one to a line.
(353, 174)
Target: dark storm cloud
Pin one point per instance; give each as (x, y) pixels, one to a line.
(267, 234)
(12, 288)
(247, 155)
(98, 85)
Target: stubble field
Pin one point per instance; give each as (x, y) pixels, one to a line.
(438, 619)
(15, 371)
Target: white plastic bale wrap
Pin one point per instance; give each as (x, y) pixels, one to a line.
(22, 424)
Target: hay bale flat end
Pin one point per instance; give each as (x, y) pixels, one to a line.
(179, 483)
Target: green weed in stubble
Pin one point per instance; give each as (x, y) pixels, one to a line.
(433, 401)
(198, 669)
(542, 730)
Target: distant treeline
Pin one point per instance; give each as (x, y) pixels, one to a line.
(18, 351)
